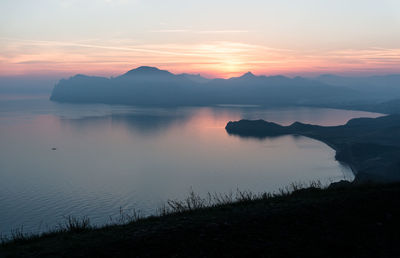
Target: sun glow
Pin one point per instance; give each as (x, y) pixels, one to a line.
(213, 38)
(212, 59)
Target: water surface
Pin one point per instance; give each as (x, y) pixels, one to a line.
(109, 157)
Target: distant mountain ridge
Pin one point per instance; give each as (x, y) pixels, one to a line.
(380, 86)
(151, 86)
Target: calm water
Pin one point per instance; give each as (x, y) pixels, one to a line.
(109, 157)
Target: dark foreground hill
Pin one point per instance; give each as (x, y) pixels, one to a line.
(341, 221)
(371, 146)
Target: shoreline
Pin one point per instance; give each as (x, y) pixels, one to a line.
(369, 146)
(336, 149)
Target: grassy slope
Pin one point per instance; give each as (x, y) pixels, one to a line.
(353, 222)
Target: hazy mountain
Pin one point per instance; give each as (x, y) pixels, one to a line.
(382, 87)
(386, 107)
(27, 84)
(152, 86)
(195, 77)
(147, 73)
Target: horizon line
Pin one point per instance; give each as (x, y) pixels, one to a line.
(207, 75)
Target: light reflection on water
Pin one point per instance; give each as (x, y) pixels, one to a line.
(109, 157)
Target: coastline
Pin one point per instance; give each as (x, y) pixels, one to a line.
(337, 150)
(369, 146)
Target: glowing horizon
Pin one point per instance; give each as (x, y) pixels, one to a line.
(103, 37)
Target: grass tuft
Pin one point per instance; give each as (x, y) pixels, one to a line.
(76, 225)
(191, 203)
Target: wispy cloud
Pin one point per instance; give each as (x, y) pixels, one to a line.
(219, 58)
(170, 31)
(221, 31)
(200, 31)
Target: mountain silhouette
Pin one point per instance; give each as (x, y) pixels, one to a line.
(377, 87)
(148, 72)
(147, 85)
(195, 77)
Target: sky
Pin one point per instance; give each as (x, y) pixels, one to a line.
(214, 38)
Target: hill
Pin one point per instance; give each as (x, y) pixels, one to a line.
(371, 146)
(341, 221)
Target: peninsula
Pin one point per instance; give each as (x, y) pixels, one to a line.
(370, 146)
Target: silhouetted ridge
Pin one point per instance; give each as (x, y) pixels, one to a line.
(154, 87)
(378, 87)
(255, 128)
(147, 71)
(248, 75)
(194, 77)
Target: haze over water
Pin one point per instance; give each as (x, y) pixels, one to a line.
(109, 157)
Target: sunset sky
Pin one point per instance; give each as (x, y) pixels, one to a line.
(214, 38)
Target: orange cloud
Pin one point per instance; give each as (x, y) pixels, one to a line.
(214, 58)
